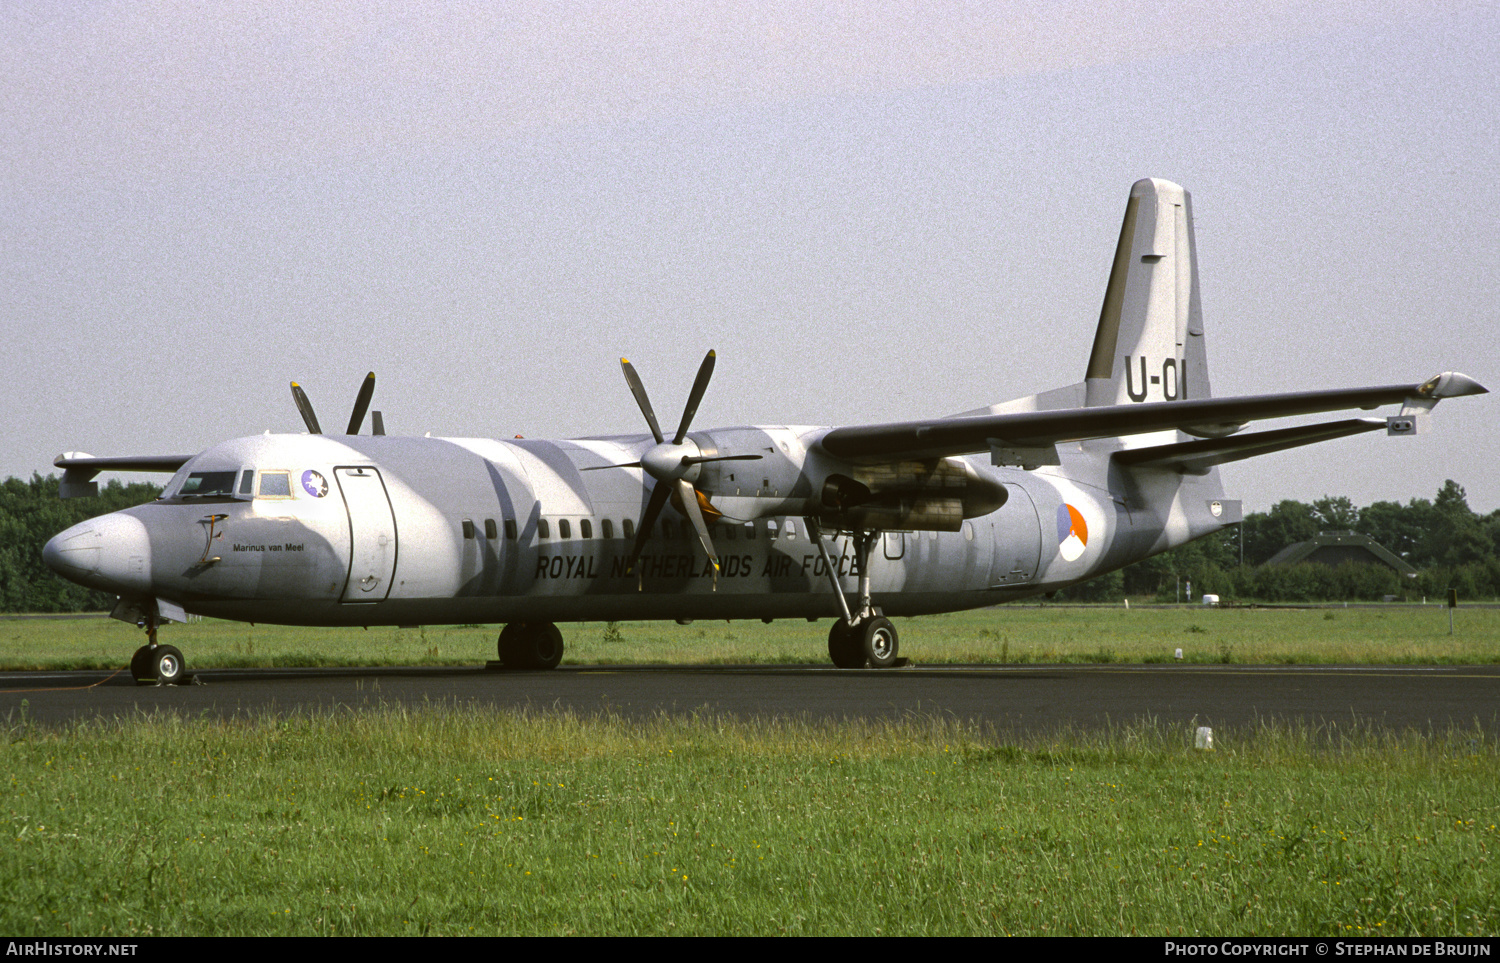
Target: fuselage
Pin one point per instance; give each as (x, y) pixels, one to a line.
(377, 530)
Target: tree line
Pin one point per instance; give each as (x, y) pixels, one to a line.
(31, 513)
(1447, 542)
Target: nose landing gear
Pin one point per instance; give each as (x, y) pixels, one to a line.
(155, 664)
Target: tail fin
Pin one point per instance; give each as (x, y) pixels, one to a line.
(1149, 344)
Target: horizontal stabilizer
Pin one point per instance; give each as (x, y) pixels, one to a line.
(1037, 429)
(1199, 457)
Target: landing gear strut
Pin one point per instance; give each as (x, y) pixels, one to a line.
(530, 645)
(155, 664)
(862, 637)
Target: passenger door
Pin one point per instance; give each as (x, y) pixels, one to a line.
(372, 534)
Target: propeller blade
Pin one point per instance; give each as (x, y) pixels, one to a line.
(689, 499)
(361, 404)
(633, 464)
(705, 459)
(700, 385)
(306, 409)
(377, 423)
(658, 501)
(639, 390)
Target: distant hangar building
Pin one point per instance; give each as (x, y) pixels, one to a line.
(1336, 548)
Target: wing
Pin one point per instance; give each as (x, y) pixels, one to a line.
(1034, 431)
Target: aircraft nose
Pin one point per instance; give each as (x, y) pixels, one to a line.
(112, 552)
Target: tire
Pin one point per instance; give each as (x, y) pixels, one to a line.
(843, 646)
(547, 647)
(530, 645)
(878, 642)
(166, 664)
(140, 665)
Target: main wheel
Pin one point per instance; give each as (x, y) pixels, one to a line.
(877, 642)
(843, 646)
(166, 664)
(530, 645)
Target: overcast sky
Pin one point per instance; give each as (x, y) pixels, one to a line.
(873, 211)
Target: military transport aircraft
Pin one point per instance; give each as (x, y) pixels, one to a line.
(855, 524)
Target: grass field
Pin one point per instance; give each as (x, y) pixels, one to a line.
(469, 821)
(482, 821)
(1016, 634)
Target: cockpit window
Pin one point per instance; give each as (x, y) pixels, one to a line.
(246, 478)
(275, 484)
(204, 484)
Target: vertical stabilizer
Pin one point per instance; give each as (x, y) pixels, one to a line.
(1149, 344)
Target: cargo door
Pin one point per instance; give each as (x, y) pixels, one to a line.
(1018, 539)
(372, 534)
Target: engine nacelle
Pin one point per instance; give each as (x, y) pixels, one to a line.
(908, 496)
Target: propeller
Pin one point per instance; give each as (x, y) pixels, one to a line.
(356, 418)
(674, 465)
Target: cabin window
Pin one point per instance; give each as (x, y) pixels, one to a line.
(770, 528)
(968, 532)
(247, 482)
(629, 527)
(205, 484)
(490, 531)
(541, 528)
(607, 529)
(510, 529)
(585, 529)
(728, 533)
(789, 529)
(468, 528)
(275, 484)
(564, 530)
(750, 531)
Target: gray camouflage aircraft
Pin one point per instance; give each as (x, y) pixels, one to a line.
(855, 524)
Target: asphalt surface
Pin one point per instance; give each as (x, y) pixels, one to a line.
(1012, 700)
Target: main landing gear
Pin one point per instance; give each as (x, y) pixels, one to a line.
(863, 637)
(530, 645)
(155, 664)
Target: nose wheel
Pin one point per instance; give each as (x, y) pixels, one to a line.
(160, 664)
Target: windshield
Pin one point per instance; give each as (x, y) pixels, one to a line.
(208, 483)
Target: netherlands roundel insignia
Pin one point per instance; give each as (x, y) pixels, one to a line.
(314, 484)
(1072, 532)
